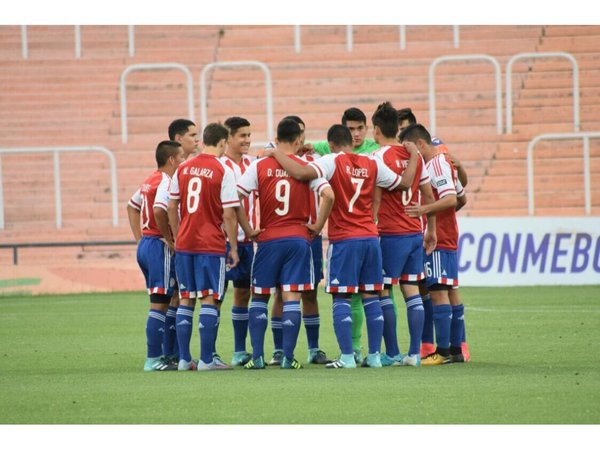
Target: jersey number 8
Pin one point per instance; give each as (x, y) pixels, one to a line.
(193, 197)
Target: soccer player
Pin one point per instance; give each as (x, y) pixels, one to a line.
(401, 239)
(237, 159)
(204, 196)
(354, 255)
(155, 250)
(405, 118)
(185, 132)
(356, 121)
(283, 256)
(441, 265)
(310, 307)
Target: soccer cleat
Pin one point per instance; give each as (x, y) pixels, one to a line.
(187, 365)
(219, 364)
(317, 357)
(343, 362)
(215, 364)
(435, 359)
(465, 351)
(358, 357)
(276, 359)
(391, 360)
(372, 360)
(411, 360)
(160, 364)
(240, 358)
(257, 363)
(290, 364)
(457, 358)
(427, 348)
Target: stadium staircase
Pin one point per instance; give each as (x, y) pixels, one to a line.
(53, 98)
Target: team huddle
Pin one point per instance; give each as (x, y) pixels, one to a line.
(202, 220)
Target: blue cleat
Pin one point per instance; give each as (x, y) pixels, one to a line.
(387, 361)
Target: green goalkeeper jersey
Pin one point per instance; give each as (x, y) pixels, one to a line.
(368, 146)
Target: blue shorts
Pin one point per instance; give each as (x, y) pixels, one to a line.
(285, 263)
(317, 253)
(441, 268)
(402, 257)
(354, 265)
(157, 264)
(242, 271)
(200, 275)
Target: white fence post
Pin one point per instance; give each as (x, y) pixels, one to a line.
(518, 56)
(57, 178)
(24, 44)
(158, 66)
(268, 94)
(586, 164)
(77, 41)
(433, 65)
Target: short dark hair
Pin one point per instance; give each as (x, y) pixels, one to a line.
(339, 135)
(354, 114)
(179, 127)
(288, 130)
(406, 114)
(386, 118)
(214, 133)
(164, 150)
(414, 132)
(235, 123)
(296, 119)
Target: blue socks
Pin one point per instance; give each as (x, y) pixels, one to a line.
(390, 335)
(170, 337)
(239, 318)
(311, 324)
(155, 328)
(415, 314)
(374, 319)
(290, 321)
(442, 319)
(257, 325)
(277, 333)
(184, 320)
(457, 326)
(428, 320)
(342, 324)
(207, 326)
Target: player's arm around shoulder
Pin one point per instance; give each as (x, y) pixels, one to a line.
(408, 176)
(301, 172)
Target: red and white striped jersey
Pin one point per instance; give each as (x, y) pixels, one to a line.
(444, 182)
(353, 179)
(391, 218)
(205, 186)
(249, 202)
(144, 200)
(284, 203)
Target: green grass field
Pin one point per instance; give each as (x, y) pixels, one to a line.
(78, 359)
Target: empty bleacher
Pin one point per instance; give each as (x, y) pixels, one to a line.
(53, 98)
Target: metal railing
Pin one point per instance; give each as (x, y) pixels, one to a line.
(518, 56)
(25, 43)
(298, 38)
(157, 66)
(268, 95)
(455, 35)
(441, 59)
(57, 184)
(586, 164)
(15, 247)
